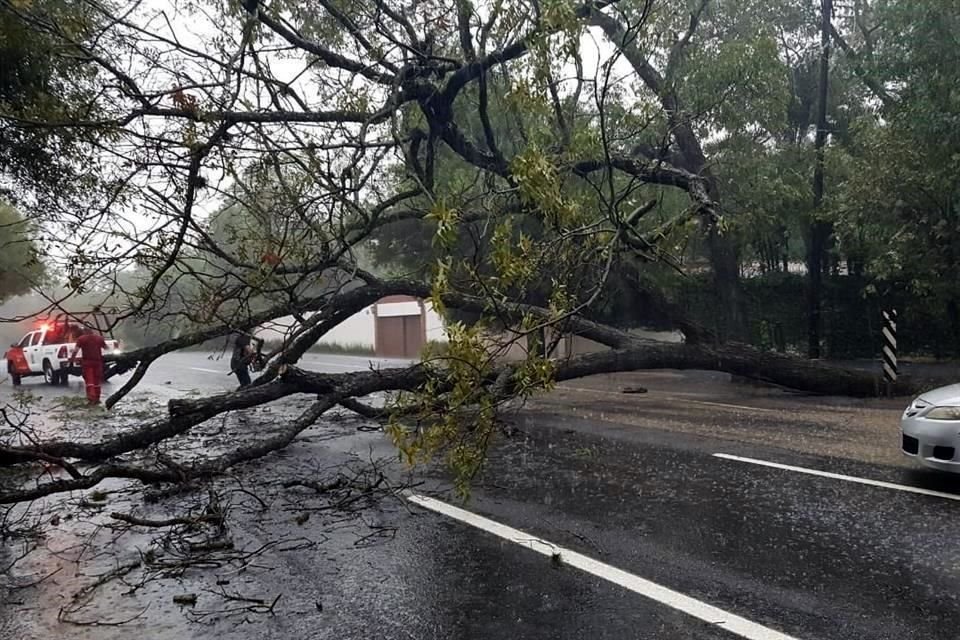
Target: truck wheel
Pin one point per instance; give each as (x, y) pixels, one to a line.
(49, 375)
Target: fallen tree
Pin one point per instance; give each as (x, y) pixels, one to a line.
(334, 389)
(443, 114)
(627, 353)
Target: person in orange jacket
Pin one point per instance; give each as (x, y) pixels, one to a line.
(90, 345)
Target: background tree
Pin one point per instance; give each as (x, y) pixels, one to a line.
(21, 266)
(41, 84)
(897, 211)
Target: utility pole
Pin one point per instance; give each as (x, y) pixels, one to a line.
(820, 231)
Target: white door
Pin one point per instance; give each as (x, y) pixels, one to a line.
(33, 352)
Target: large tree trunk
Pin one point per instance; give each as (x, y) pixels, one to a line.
(722, 248)
(629, 354)
(739, 360)
(725, 262)
(820, 231)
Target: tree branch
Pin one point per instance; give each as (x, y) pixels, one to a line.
(328, 57)
(875, 86)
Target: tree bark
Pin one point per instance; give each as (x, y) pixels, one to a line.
(723, 251)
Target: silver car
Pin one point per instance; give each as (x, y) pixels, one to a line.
(931, 429)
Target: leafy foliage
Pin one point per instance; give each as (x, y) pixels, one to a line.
(898, 209)
(43, 79)
(21, 266)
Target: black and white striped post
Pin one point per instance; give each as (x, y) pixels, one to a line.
(890, 347)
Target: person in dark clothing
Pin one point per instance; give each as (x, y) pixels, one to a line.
(90, 344)
(240, 360)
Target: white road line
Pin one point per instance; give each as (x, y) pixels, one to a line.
(206, 370)
(839, 476)
(728, 406)
(701, 610)
(345, 367)
(332, 365)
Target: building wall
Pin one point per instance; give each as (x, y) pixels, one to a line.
(435, 329)
(360, 328)
(355, 330)
(398, 308)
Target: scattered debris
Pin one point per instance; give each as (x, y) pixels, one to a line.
(215, 545)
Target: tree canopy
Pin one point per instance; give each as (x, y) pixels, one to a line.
(21, 263)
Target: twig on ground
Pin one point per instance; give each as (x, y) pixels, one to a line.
(88, 590)
(63, 616)
(169, 522)
(316, 486)
(38, 581)
(255, 605)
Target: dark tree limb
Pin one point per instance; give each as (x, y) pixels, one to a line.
(471, 71)
(336, 389)
(736, 359)
(364, 409)
(872, 83)
(168, 522)
(213, 467)
(328, 57)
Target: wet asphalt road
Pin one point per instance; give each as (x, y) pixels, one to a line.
(808, 556)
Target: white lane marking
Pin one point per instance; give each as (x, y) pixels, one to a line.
(345, 367)
(839, 476)
(361, 366)
(701, 610)
(728, 406)
(659, 397)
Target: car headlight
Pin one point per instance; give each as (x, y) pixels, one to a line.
(943, 413)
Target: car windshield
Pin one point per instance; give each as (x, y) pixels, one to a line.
(25, 342)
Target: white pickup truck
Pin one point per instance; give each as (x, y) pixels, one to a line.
(46, 352)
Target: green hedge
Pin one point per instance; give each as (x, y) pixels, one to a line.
(777, 313)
